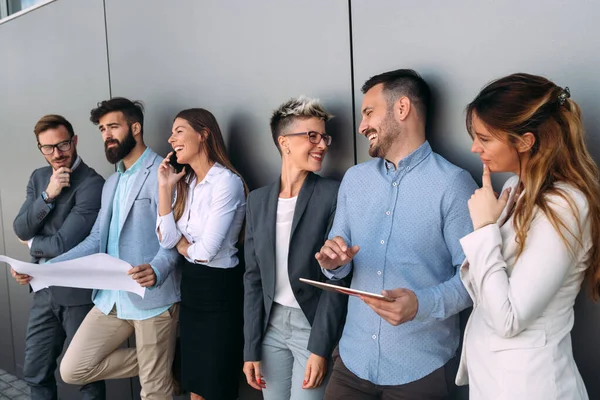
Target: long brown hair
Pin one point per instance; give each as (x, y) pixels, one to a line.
(521, 103)
(202, 120)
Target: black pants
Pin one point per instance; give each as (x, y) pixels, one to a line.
(438, 385)
(50, 326)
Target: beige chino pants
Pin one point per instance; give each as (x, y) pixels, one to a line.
(94, 352)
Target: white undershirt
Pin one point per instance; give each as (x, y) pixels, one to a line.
(283, 229)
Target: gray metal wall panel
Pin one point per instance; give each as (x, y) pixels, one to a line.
(7, 359)
(461, 45)
(53, 61)
(239, 60)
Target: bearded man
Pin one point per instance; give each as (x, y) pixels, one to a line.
(397, 227)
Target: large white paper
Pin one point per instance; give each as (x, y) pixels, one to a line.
(98, 271)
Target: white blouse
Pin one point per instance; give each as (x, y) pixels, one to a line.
(284, 294)
(211, 221)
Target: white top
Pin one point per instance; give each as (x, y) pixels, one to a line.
(517, 341)
(211, 221)
(283, 229)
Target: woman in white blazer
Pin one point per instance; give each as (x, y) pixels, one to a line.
(532, 246)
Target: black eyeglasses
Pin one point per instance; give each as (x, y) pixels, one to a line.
(314, 137)
(48, 149)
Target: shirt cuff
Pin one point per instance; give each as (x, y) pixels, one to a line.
(338, 273)
(485, 237)
(157, 278)
(49, 205)
(168, 230)
(426, 299)
(195, 254)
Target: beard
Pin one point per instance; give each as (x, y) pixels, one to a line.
(121, 150)
(389, 131)
(59, 160)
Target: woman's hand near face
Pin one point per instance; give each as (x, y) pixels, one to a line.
(484, 207)
(167, 179)
(167, 176)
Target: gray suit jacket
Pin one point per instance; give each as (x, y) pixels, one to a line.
(61, 228)
(313, 216)
(138, 243)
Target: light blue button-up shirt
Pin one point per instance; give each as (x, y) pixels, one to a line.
(106, 300)
(407, 222)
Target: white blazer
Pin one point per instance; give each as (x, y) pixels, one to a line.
(517, 342)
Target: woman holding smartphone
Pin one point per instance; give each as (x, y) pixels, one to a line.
(204, 224)
(290, 327)
(532, 246)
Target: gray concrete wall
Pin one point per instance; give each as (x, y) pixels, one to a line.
(241, 59)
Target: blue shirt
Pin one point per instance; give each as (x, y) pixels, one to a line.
(106, 300)
(407, 222)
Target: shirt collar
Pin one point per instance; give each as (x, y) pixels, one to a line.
(136, 165)
(410, 161)
(76, 164)
(215, 170)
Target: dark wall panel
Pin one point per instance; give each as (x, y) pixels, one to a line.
(7, 359)
(458, 47)
(239, 60)
(242, 59)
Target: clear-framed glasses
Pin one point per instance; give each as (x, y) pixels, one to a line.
(48, 149)
(314, 137)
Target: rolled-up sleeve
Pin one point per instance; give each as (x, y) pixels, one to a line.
(166, 231)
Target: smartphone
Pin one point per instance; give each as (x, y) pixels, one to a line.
(173, 161)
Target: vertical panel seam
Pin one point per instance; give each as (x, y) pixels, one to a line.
(352, 81)
(12, 334)
(107, 52)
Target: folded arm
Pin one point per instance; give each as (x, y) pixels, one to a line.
(30, 218)
(228, 195)
(76, 226)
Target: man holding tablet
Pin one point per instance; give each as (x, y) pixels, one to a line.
(407, 210)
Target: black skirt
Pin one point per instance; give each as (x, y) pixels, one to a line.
(211, 330)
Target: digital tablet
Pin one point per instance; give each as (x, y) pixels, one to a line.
(344, 290)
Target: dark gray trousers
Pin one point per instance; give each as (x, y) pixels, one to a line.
(50, 326)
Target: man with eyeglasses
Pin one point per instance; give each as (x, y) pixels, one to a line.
(60, 209)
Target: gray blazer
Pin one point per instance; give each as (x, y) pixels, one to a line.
(138, 243)
(313, 216)
(61, 228)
